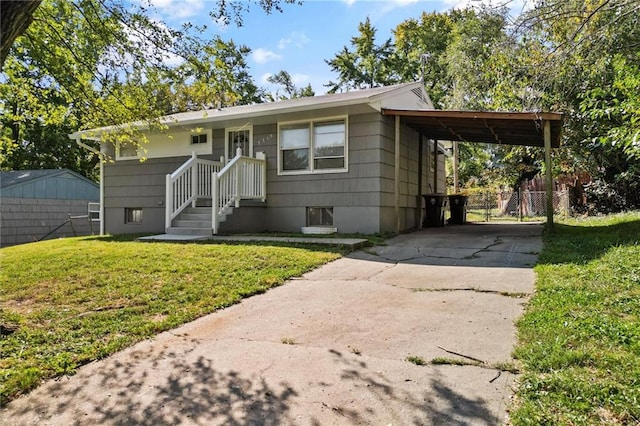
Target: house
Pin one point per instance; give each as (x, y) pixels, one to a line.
(328, 162)
(45, 203)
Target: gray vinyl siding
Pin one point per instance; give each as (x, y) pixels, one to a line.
(363, 198)
(409, 200)
(135, 184)
(354, 195)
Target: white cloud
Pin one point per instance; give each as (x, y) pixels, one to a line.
(262, 56)
(178, 8)
(382, 8)
(161, 4)
(300, 79)
(403, 3)
(296, 39)
(349, 2)
(264, 79)
(187, 8)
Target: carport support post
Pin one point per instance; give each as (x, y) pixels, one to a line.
(435, 166)
(549, 176)
(396, 194)
(420, 172)
(456, 158)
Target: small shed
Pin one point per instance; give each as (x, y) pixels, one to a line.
(39, 204)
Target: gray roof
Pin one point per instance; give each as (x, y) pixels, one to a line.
(364, 96)
(16, 177)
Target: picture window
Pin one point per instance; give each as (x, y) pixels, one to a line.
(314, 146)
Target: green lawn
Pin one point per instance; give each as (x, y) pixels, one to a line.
(580, 335)
(68, 302)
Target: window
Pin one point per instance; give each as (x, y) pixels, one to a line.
(132, 215)
(239, 138)
(319, 216)
(127, 150)
(328, 149)
(317, 146)
(198, 139)
(294, 143)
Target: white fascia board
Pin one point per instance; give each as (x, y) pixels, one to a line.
(347, 99)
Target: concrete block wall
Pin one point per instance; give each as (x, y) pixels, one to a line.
(24, 220)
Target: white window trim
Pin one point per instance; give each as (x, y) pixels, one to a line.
(230, 155)
(129, 157)
(201, 148)
(311, 170)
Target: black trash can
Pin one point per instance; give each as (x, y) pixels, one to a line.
(434, 210)
(458, 209)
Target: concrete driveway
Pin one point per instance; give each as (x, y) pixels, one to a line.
(329, 348)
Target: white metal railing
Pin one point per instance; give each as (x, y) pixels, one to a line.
(243, 178)
(190, 181)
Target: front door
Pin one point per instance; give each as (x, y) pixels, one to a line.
(238, 138)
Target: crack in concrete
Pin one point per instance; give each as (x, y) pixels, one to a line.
(458, 363)
(496, 242)
(517, 295)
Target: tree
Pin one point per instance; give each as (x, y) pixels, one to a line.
(215, 76)
(285, 80)
(420, 47)
(15, 18)
(589, 71)
(17, 15)
(91, 63)
(475, 36)
(367, 65)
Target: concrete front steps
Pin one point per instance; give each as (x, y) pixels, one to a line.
(193, 221)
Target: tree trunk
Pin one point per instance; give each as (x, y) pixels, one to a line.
(15, 18)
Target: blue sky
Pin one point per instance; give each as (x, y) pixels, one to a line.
(300, 38)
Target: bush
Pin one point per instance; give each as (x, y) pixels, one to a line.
(603, 198)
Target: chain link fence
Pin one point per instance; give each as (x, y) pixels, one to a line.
(491, 205)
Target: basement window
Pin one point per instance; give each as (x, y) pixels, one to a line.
(319, 216)
(132, 215)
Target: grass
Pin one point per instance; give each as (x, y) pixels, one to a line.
(451, 361)
(67, 302)
(579, 339)
(413, 359)
(372, 239)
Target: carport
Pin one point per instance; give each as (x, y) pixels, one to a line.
(539, 129)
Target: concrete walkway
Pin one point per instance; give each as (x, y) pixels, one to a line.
(329, 348)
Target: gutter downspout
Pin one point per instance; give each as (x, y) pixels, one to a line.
(101, 159)
(420, 173)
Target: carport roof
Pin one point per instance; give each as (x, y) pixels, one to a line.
(507, 128)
